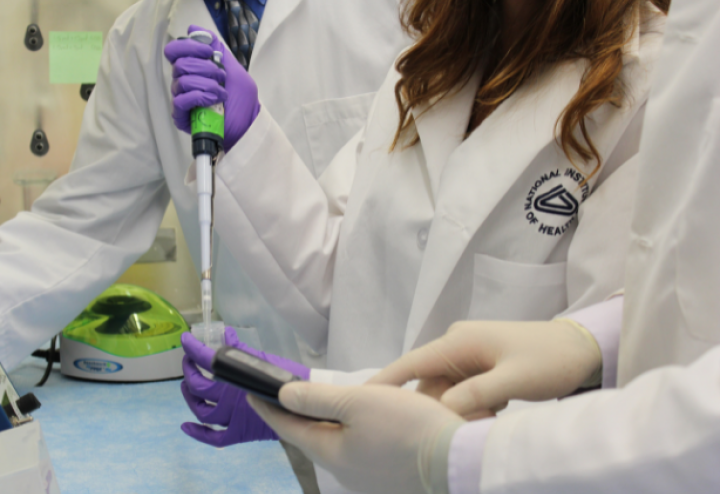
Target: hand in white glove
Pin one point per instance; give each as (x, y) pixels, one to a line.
(387, 439)
(478, 366)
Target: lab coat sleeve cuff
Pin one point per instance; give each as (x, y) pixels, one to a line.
(323, 376)
(248, 146)
(465, 456)
(604, 322)
(340, 378)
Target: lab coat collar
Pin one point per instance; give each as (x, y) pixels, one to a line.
(442, 127)
(275, 14)
(631, 49)
(186, 12)
(480, 171)
(650, 19)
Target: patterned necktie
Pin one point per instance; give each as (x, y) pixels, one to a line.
(242, 30)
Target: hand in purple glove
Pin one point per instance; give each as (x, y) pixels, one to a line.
(231, 409)
(197, 81)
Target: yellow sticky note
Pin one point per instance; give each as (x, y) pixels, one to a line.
(74, 57)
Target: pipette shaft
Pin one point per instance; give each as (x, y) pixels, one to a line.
(208, 130)
(205, 192)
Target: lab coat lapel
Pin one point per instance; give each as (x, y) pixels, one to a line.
(441, 128)
(480, 172)
(187, 12)
(276, 12)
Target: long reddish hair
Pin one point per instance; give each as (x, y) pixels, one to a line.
(455, 38)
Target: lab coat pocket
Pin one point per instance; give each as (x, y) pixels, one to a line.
(506, 290)
(331, 123)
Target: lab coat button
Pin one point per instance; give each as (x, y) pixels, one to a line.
(422, 238)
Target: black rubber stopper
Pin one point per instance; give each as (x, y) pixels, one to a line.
(26, 404)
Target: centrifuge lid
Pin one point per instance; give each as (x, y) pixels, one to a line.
(128, 321)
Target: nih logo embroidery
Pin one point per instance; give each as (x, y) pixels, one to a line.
(553, 201)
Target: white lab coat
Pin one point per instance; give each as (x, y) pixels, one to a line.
(390, 248)
(661, 432)
(386, 250)
(317, 64)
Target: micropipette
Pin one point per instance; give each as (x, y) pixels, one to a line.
(208, 130)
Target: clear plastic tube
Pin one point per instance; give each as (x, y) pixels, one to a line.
(215, 335)
(212, 336)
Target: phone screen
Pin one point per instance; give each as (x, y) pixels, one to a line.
(266, 367)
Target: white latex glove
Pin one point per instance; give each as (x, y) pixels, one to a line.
(387, 439)
(478, 366)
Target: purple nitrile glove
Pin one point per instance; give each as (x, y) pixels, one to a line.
(197, 81)
(231, 410)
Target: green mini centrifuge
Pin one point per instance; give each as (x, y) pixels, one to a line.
(127, 334)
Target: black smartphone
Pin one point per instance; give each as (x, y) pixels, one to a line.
(253, 374)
